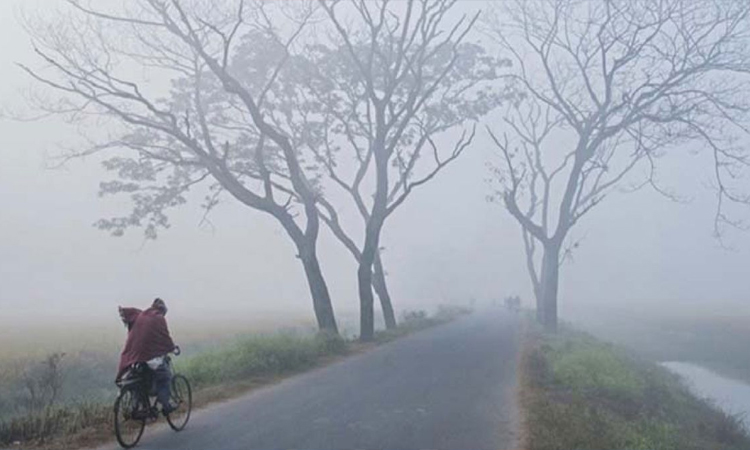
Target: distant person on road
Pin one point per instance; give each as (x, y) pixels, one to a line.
(149, 342)
(513, 303)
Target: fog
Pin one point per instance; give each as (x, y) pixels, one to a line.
(446, 245)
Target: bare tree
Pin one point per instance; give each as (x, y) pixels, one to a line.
(188, 89)
(611, 86)
(398, 75)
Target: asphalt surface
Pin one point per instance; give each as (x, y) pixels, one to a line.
(449, 387)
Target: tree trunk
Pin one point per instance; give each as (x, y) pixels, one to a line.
(550, 282)
(529, 245)
(365, 278)
(539, 292)
(381, 288)
(372, 231)
(318, 289)
(366, 313)
(539, 297)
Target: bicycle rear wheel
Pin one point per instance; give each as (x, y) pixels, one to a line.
(128, 429)
(182, 398)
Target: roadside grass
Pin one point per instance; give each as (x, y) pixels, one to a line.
(260, 356)
(37, 429)
(581, 393)
(216, 374)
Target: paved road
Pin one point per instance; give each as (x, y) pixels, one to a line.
(449, 387)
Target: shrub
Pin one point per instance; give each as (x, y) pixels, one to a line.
(410, 317)
(42, 383)
(330, 343)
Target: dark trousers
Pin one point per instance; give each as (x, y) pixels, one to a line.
(162, 380)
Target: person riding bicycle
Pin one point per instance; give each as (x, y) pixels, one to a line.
(149, 342)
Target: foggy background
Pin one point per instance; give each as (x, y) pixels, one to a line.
(640, 251)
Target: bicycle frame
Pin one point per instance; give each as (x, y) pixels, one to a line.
(144, 388)
(137, 403)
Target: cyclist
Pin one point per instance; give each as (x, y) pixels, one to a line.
(149, 342)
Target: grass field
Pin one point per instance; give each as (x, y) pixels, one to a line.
(582, 393)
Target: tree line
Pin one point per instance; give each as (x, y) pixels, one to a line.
(292, 108)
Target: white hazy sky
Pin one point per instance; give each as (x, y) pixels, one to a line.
(447, 244)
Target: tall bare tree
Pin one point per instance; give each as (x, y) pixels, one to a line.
(190, 90)
(610, 86)
(398, 75)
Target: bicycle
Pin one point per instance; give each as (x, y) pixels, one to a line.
(137, 404)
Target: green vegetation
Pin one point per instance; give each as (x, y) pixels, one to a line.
(260, 356)
(581, 393)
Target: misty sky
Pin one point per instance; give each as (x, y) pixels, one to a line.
(446, 244)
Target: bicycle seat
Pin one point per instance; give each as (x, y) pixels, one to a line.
(136, 373)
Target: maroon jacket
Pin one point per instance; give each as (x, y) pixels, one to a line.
(148, 337)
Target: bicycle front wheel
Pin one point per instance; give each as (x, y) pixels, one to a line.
(182, 399)
(129, 424)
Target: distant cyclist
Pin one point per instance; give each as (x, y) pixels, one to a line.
(149, 342)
